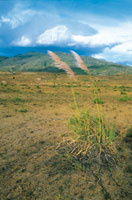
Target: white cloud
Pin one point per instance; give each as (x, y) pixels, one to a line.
(98, 56)
(24, 41)
(17, 16)
(123, 48)
(121, 53)
(107, 35)
(116, 41)
(56, 35)
(120, 39)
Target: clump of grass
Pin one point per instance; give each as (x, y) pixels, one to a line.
(19, 100)
(123, 88)
(53, 86)
(93, 135)
(37, 86)
(128, 137)
(98, 101)
(94, 140)
(123, 93)
(115, 88)
(125, 98)
(94, 143)
(97, 91)
(92, 149)
(92, 129)
(23, 110)
(129, 134)
(77, 93)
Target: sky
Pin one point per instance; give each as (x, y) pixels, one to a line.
(98, 28)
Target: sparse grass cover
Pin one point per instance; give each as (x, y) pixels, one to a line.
(44, 157)
(125, 98)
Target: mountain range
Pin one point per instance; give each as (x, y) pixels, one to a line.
(40, 62)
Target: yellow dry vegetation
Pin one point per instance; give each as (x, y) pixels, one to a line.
(34, 112)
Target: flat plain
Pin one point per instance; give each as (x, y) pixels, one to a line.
(35, 109)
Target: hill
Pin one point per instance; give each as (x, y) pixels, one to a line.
(37, 61)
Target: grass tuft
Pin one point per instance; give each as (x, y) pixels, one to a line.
(23, 110)
(92, 129)
(98, 101)
(125, 99)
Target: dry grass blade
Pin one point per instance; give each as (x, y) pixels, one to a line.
(80, 62)
(60, 64)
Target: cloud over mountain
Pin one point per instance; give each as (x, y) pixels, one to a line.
(87, 26)
(57, 35)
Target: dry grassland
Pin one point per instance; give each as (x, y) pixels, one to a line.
(34, 112)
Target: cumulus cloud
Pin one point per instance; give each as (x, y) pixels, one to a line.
(107, 35)
(24, 41)
(123, 48)
(121, 53)
(57, 35)
(121, 39)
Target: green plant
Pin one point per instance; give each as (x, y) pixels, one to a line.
(23, 110)
(37, 86)
(98, 101)
(77, 93)
(123, 93)
(125, 98)
(18, 99)
(92, 129)
(94, 136)
(97, 91)
(129, 134)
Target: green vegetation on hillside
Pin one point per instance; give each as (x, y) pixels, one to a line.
(37, 61)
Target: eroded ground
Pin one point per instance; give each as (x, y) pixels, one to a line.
(34, 112)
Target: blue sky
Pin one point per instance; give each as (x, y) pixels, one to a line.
(99, 28)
